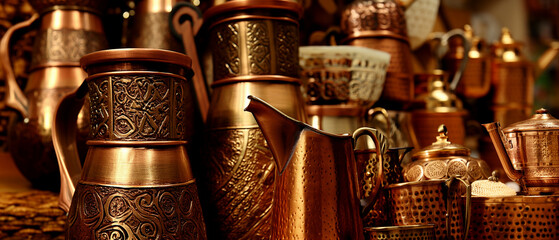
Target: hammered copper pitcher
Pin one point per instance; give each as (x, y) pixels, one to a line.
(136, 182)
(316, 193)
(255, 51)
(67, 30)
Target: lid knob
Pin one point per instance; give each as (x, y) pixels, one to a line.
(542, 111)
(443, 135)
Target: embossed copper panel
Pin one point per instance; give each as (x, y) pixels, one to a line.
(517, 217)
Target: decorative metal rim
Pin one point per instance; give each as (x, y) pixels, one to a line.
(135, 143)
(418, 183)
(135, 55)
(255, 78)
(240, 5)
(399, 228)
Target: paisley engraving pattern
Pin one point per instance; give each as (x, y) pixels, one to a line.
(258, 46)
(371, 15)
(226, 61)
(65, 45)
(137, 107)
(288, 49)
(240, 175)
(103, 212)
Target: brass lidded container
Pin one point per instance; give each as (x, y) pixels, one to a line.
(381, 25)
(255, 51)
(435, 107)
(444, 159)
(66, 30)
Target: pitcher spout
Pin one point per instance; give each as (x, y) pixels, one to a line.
(503, 146)
(280, 131)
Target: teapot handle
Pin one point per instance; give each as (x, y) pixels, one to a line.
(65, 146)
(15, 98)
(381, 146)
(186, 21)
(468, 214)
(373, 112)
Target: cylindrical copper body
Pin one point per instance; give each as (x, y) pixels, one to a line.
(66, 33)
(255, 52)
(381, 25)
(425, 123)
(425, 202)
(417, 232)
(137, 181)
(515, 217)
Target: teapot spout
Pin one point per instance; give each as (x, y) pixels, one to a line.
(280, 131)
(502, 146)
(547, 57)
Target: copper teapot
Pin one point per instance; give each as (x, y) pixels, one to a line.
(317, 191)
(529, 152)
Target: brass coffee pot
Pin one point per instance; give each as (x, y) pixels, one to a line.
(67, 30)
(136, 181)
(316, 192)
(529, 152)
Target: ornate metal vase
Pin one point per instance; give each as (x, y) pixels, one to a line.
(255, 51)
(67, 30)
(136, 182)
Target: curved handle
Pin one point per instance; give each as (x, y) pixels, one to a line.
(15, 98)
(186, 21)
(65, 146)
(381, 146)
(373, 112)
(468, 215)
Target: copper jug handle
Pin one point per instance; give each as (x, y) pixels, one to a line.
(65, 146)
(185, 21)
(373, 112)
(468, 214)
(15, 98)
(381, 146)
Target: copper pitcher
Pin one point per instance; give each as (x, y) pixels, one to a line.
(529, 152)
(136, 181)
(67, 30)
(317, 193)
(255, 50)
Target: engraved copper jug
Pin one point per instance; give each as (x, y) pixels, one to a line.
(529, 152)
(136, 182)
(67, 30)
(316, 193)
(254, 51)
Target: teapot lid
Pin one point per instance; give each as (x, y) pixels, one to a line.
(541, 121)
(442, 147)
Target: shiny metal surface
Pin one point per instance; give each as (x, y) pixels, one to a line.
(390, 36)
(55, 71)
(515, 217)
(533, 146)
(317, 190)
(412, 232)
(437, 202)
(137, 165)
(444, 159)
(254, 52)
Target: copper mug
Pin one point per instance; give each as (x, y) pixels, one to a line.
(136, 181)
(67, 30)
(316, 192)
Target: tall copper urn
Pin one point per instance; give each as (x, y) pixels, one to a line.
(136, 182)
(67, 30)
(255, 51)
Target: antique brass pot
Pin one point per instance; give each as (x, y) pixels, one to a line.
(317, 191)
(136, 181)
(67, 30)
(529, 152)
(444, 159)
